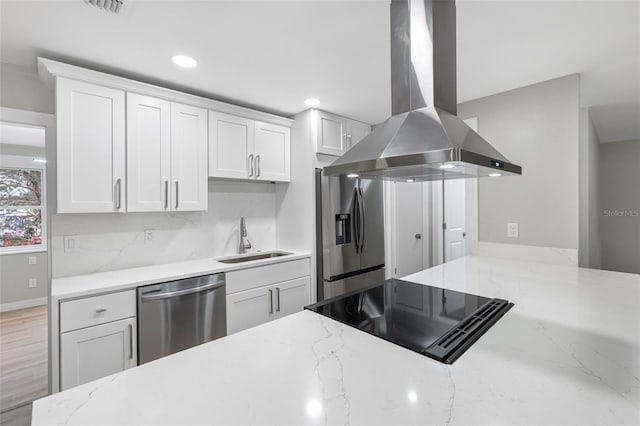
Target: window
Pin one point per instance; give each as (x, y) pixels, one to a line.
(22, 215)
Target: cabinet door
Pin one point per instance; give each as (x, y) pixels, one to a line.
(272, 150)
(94, 352)
(188, 158)
(249, 308)
(91, 147)
(291, 296)
(230, 145)
(356, 132)
(331, 134)
(148, 153)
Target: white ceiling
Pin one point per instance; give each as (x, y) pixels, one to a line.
(271, 55)
(20, 134)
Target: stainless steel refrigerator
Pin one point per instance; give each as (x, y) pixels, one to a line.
(349, 234)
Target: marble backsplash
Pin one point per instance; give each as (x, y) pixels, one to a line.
(113, 241)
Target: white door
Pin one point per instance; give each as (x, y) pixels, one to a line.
(331, 137)
(249, 308)
(272, 150)
(91, 148)
(292, 296)
(357, 132)
(230, 146)
(148, 153)
(98, 351)
(409, 235)
(188, 158)
(454, 219)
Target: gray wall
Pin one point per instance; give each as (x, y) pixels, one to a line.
(590, 246)
(15, 273)
(620, 205)
(536, 127)
(20, 88)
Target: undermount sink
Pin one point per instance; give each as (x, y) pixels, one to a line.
(254, 256)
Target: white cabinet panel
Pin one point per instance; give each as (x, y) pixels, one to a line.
(246, 279)
(90, 311)
(91, 147)
(148, 153)
(356, 131)
(249, 308)
(230, 144)
(331, 134)
(188, 158)
(292, 296)
(272, 150)
(98, 351)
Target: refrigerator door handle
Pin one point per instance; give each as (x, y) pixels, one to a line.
(356, 219)
(362, 219)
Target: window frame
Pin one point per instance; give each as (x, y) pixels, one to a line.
(26, 163)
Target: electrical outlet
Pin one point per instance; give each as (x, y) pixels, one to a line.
(149, 235)
(33, 260)
(512, 230)
(33, 283)
(71, 243)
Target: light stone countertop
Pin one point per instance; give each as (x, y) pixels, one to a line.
(568, 352)
(124, 279)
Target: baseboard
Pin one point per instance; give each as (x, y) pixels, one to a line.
(552, 255)
(22, 304)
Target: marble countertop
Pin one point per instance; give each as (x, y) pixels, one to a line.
(102, 282)
(567, 353)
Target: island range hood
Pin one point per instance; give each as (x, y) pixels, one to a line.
(423, 139)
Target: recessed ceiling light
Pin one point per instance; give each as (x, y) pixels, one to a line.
(312, 102)
(39, 160)
(495, 174)
(184, 61)
(447, 166)
(352, 175)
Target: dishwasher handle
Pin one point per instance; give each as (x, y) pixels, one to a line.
(149, 297)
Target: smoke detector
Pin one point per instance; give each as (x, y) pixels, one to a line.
(107, 5)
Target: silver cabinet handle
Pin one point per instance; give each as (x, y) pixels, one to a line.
(270, 301)
(257, 165)
(177, 197)
(166, 194)
(101, 310)
(118, 193)
(277, 299)
(250, 165)
(130, 341)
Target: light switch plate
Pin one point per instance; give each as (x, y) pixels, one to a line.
(512, 230)
(33, 260)
(33, 282)
(71, 243)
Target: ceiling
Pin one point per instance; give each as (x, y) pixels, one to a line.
(271, 55)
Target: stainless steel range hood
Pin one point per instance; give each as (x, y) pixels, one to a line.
(424, 139)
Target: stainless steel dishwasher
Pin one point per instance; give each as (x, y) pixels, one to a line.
(177, 315)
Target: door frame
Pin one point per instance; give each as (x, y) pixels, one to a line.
(48, 122)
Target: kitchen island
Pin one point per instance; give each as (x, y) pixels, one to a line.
(568, 352)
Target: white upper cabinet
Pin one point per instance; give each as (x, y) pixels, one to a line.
(148, 153)
(241, 148)
(166, 155)
(188, 157)
(336, 135)
(230, 143)
(91, 147)
(272, 150)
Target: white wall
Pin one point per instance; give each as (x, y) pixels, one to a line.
(116, 241)
(536, 127)
(21, 89)
(620, 205)
(590, 252)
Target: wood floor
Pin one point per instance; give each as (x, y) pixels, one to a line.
(23, 356)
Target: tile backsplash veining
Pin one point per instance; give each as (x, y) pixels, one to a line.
(110, 241)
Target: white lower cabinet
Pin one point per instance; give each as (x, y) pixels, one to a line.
(259, 295)
(98, 337)
(98, 351)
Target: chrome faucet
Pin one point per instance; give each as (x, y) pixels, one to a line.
(244, 241)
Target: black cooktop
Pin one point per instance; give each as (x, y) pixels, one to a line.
(438, 323)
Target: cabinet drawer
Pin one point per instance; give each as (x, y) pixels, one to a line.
(264, 275)
(96, 310)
